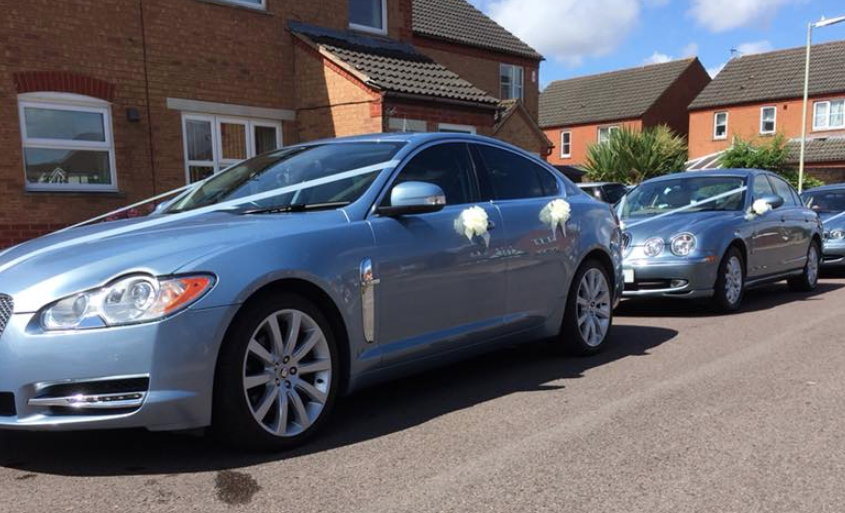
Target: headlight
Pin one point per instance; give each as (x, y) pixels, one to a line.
(837, 234)
(131, 300)
(683, 244)
(653, 246)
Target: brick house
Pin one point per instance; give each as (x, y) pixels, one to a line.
(757, 96)
(109, 102)
(580, 112)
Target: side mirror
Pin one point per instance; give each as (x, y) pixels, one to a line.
(414, 198)
(773, 200)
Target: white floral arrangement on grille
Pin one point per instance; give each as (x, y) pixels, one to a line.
(473, 222)
(556, 213)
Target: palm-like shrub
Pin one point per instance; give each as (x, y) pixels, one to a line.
(631, 156)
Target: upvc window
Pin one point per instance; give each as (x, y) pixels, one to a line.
(720, 125)
(829, 115)
(768, 120)
(368, 15)
(67, 142)
(255, 4)
(566, 144)
(213, 143)
(456, 129)
(511, 81)
(605, 132)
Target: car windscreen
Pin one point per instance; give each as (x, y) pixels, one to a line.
(666, 195)
(291, 166)
(825, 202)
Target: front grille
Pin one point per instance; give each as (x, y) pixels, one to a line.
(7, 404)
(6, 308)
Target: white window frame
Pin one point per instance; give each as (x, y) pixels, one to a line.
(819, 128)
(219, 163)
(245, 3)
(68, 102)
(716, 125)
(609, 128)
(763, 110)
(405, 125)
(461, 129)
(374, 30)
(565, 154)
(517, 90)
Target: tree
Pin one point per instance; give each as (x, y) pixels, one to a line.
(770, 155)
(631, 156)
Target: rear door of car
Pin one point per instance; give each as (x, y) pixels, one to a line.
(521, 189)
(796, 229)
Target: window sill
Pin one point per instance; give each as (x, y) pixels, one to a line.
(370, 31)
(224, 3)
(76, 193)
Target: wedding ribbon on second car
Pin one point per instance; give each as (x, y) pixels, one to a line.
(180, 216)
(691, 206)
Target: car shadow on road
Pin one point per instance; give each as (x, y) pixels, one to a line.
(764, 298)
(367, 415)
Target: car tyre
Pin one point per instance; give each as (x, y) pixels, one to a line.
(730, 282)
(809, 278)
(277, 376)
(588, 318)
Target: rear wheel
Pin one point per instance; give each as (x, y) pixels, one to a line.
(589, 310)
(730, 282)
(809, 278)
(277, 374)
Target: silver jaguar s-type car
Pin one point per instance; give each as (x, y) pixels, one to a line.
(829, 203)
(250, 302)
(715, 233)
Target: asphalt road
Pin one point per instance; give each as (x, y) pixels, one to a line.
(686, 411)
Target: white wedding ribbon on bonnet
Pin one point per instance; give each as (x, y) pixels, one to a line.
(833, 218)
(172, 218)
(684, 208)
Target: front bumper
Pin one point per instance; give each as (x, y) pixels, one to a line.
(176, 357)
(833, 254)
(669, 276)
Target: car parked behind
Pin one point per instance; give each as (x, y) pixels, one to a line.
(714, 234)
(829, 203)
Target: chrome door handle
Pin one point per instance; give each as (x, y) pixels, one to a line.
(491, 225)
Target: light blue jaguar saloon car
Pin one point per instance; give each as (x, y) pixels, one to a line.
(713, 234)
(829, 202)
(252, 301)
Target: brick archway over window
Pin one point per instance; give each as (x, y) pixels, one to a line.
(63, 82)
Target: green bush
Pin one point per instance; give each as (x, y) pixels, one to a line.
(631, 156)
(770, 155)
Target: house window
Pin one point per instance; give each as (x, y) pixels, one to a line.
(829, 115)
(67, 142)
(720, 125)
(368, 15)
(255, 4)
(566, 144)
(456, 129)
(213, 143)
(768, 117)
(511, 80)
(406, 125)
(605, 132)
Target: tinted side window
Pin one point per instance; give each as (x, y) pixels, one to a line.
(446, 165)
(548, 181)
(614, 193)
(512, 176)
(762, 187)
(784, 190)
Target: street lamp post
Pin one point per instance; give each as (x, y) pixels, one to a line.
(810, 26)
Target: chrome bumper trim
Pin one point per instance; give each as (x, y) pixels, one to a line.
(93, 402)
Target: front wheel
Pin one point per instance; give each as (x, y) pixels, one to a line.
(589, 310)
(809, 278)
(730, 282)
(277, 374)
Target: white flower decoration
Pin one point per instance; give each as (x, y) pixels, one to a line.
(759, 208)
(555, 214)
(473, 222)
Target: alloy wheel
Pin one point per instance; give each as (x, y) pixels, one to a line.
(813, 265)
(733, 280)
(593, 307)
(287, 373)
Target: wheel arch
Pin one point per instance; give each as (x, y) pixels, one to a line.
(603, 257)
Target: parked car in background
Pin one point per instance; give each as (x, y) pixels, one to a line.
(714, 234)
(829, 203)
(608, 192)
(256, 299)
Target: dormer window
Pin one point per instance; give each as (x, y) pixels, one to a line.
(368, 16)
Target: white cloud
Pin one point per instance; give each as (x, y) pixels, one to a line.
(722, 15)
(567, 31)
(657, 58)
(690, 50)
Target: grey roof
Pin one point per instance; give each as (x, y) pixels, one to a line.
(776, 76)
(819, 150)
(617, 95)
(459, 22)
(393, 66)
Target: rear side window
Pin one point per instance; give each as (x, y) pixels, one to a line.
(515, 177)
(446, 165)
(784, 190)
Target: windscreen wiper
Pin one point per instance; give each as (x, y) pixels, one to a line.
(295, 207)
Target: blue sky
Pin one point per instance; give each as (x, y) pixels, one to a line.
(582, 37)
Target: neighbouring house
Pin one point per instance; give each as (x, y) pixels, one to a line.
(579, 112)
(757, 96)
(109, 102)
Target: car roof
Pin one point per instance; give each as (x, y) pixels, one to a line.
(829, 187)
(597, 184)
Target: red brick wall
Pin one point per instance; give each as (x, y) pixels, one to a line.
(671, 108)
(582, 137)
(517, 130)
(434, 114)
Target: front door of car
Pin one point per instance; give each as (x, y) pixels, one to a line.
(537, 275)
(794, 225)
(768, 248)
(439, 288)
